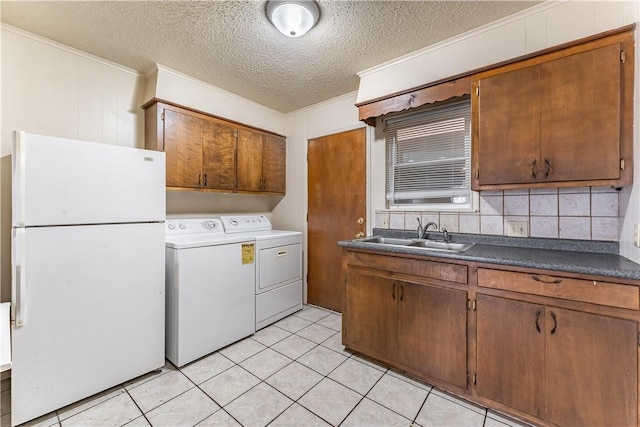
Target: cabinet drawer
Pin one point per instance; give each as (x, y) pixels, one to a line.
(434, 270)
(591, 291)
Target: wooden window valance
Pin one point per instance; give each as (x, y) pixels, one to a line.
(435, 92)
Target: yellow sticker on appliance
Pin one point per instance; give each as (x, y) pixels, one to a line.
(248, 253)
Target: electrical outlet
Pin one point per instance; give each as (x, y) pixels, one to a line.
(636, 235)
(517, 228)
(385, 221)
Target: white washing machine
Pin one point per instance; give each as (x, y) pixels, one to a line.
(210, 288)
(278, 279)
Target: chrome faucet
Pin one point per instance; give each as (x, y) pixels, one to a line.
(446, 236)
(422, 231)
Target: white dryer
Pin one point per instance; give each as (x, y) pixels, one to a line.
(278, 279)
(210, 288)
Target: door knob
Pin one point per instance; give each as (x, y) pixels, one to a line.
(359, 235)
(360, 220)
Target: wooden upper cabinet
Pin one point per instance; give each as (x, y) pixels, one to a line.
(261, 162)
(508, 126)
(183, 146)
(274, 158)
(559, 119)
(580, 98)
(208, 153)
(249, 161)
(218, 156)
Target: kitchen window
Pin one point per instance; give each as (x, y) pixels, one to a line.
(429, 159)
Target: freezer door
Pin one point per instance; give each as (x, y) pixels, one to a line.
(94, 296)
(60, 181)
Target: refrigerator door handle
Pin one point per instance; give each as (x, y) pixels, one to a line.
(19, 180)
(18, 282)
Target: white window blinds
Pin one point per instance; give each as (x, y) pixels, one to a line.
(429, 156)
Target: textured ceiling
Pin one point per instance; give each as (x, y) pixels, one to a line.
(232, 45)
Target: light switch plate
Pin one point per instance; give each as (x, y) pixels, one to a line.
(636, 235)
(517, 228)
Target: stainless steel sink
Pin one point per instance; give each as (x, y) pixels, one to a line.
(418, 243)
(441, 246)
(386, 240)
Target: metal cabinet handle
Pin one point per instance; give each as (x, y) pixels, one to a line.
(548, 168)
(538, 313)
(534, 169)
(401, 292)
(393, 291)
(359, 235)
(555, 323)
(550, 282)
(199, 180)
(205, 179)
(360, 221)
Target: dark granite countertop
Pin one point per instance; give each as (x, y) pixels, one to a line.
(574, 256)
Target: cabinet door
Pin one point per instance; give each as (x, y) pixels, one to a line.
(511, 353)
(249, 161)
(592, 369)
(274, 160)
(432, 331)
(509, 127)
(219, 156)
(580, 116)
(370, 313)
(183, 147)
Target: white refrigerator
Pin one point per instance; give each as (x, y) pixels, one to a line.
(87, 269)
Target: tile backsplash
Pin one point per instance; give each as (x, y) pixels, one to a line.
(586, 213)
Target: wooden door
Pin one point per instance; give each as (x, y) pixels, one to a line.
(580, 113)
(432, 331)
(592, 369)
(370, 314)
(183, 147)
(274, 160)
(219, 156)
(249, 161)
(508, 111)
(336, 210)
(511, 353)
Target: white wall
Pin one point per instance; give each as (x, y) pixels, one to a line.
(171, 85)
(53, 90)
(547, 25)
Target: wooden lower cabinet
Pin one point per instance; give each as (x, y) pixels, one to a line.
(510, 353)
(551, 349)
(432, 331)
(566, 367)
(370, 313)
(592, 369)
(415, 326)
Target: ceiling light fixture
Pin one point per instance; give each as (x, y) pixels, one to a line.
(293, 18)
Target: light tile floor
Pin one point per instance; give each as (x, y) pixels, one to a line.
(293, 373)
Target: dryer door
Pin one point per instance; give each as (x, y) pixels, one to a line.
(278, 266)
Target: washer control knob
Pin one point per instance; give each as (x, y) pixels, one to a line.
(182, 225)
(172, 226)
(210, 225)
(234, 222)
